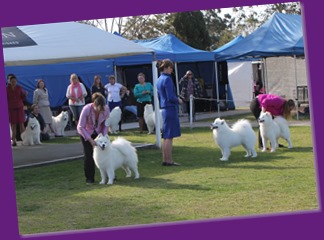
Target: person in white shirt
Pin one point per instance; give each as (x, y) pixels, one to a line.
(76, 93)
(114, 91)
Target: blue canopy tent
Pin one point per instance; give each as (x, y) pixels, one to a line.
(200, 62)
(229, 44)
(281, 35)
(168, 46)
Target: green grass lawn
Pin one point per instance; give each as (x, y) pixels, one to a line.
(55, 197)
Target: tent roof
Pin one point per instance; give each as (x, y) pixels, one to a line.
(169, 45)
(281, 35)
(63, 42)
(229, 44)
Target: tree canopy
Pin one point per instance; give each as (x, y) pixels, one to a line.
(206, 30)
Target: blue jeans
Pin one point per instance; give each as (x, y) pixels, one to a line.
(76, 111)
(112, 105)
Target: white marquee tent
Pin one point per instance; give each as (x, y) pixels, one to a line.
(63, 42)
(66, 42)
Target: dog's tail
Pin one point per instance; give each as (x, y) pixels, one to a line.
(242, 125)
(126, 148)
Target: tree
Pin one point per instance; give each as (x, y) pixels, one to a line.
(148, 26)
(288, 8)
(207, 30)
(247, 19)
(218, 28)
(191, 28)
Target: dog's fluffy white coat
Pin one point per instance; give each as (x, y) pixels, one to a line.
(59, 123)
(31, 135)
(113, 121)
(241, 133)
(109, 156)
(149, 118)
(272, 130)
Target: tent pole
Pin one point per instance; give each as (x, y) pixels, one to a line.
(295, 63)
(156, 103)
(266, 75)
(115, 72)
(217, 90)
(177, 78)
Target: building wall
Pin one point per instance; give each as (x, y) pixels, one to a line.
(281, 78)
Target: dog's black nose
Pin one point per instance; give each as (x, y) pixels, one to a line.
(212, 127)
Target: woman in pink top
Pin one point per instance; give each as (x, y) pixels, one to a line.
(274, 104)
(91, 123)
(76, 93)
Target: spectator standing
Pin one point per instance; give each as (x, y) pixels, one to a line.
(16, 97)
(41, 98)
(76, 93)
(87, 98)
(98, 87)
(189, 85)
(143, 92)
(114, 91)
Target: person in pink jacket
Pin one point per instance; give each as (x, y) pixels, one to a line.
(90, 125)
(272, 103)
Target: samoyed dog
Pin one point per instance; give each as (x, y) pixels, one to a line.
(241, 133)
(60, 122)
(113, 121)
(273, 129)
(149, 118)
(109, 156)
(31, 135)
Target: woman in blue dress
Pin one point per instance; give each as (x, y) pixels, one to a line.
(169, 103)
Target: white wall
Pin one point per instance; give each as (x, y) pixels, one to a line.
(240, 76)
(281, 76)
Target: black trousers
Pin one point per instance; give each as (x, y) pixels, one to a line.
(256, 110)
(89, 164)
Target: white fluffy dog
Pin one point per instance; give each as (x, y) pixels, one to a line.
(241, 133)
(149, 118)
(60, 122)
(31, 135)
(113, 121)
(109, 156)
(272, 130)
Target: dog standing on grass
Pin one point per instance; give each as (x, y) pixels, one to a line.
(273, 129)
(109, 156)
(241, 133)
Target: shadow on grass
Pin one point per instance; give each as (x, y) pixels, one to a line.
(158, 183)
